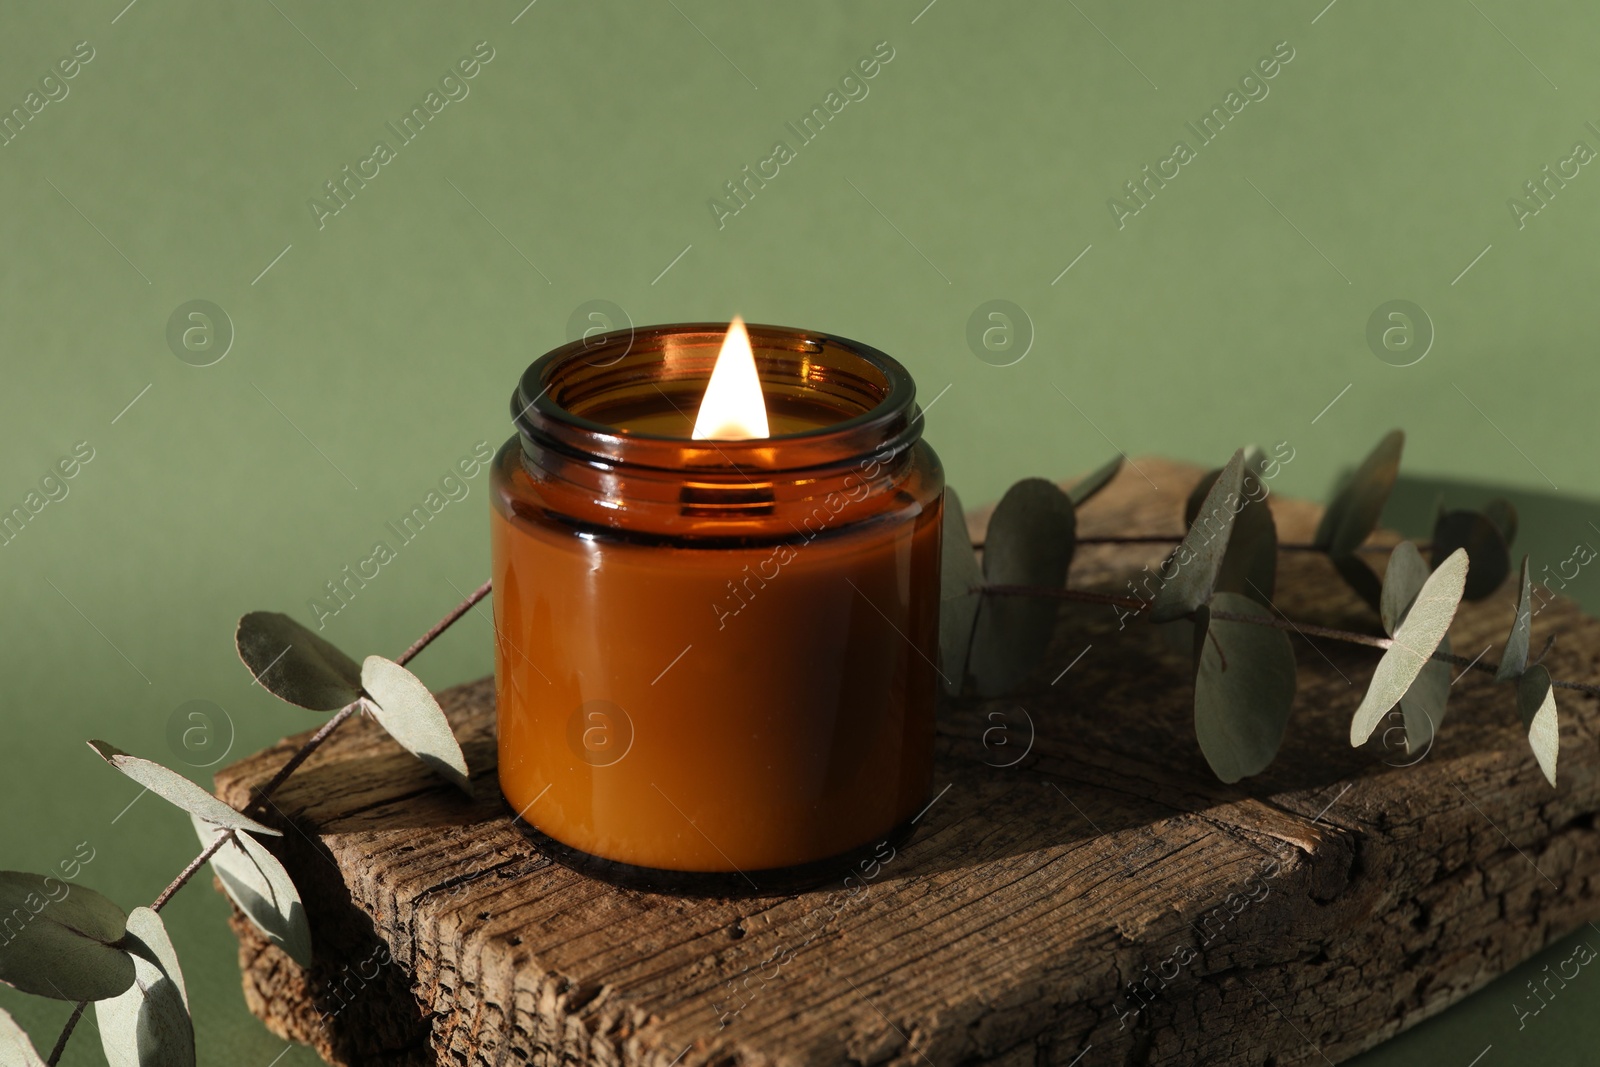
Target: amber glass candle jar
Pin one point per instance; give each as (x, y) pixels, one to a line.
(715, 659)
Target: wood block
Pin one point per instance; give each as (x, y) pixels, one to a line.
(1082, 890)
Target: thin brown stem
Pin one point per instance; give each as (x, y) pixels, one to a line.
(66, 1032)
(1082, 596)
(1306, 628)
(189, 871)
(1137, 606)
(303, 753)
(1174, 538)
(294, 761)
(445, 623)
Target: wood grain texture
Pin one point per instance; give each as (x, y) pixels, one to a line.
(1102, 897)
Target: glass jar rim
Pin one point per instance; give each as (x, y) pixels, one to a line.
(888, 427)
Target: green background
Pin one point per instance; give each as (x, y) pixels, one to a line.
(382, 346)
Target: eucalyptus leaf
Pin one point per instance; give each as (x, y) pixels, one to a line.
(148, 1025)
(1255, 462)
(1423, 706)
(1194, 564)
(294, 664)
(1515, 658)
(1094, 481)
(1250, 563)
(1536, 701)
(1243, 689)
(1491, 559)
(1503, 513)
(16, 1048)
(174, 787)
(1402, 581)
(1031, 538)
(61, 940)
(1353, 513)
(263, 890)
(1197, 495)
(406, 709)
(1415, 641)
(959, 576)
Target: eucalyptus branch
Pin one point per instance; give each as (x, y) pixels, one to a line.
(1277, 622)
(315, 740)
(1172, 539)
(289, 767)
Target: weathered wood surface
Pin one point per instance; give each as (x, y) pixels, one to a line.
(1365, 897)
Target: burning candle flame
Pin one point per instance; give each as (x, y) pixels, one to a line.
(733, 408)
